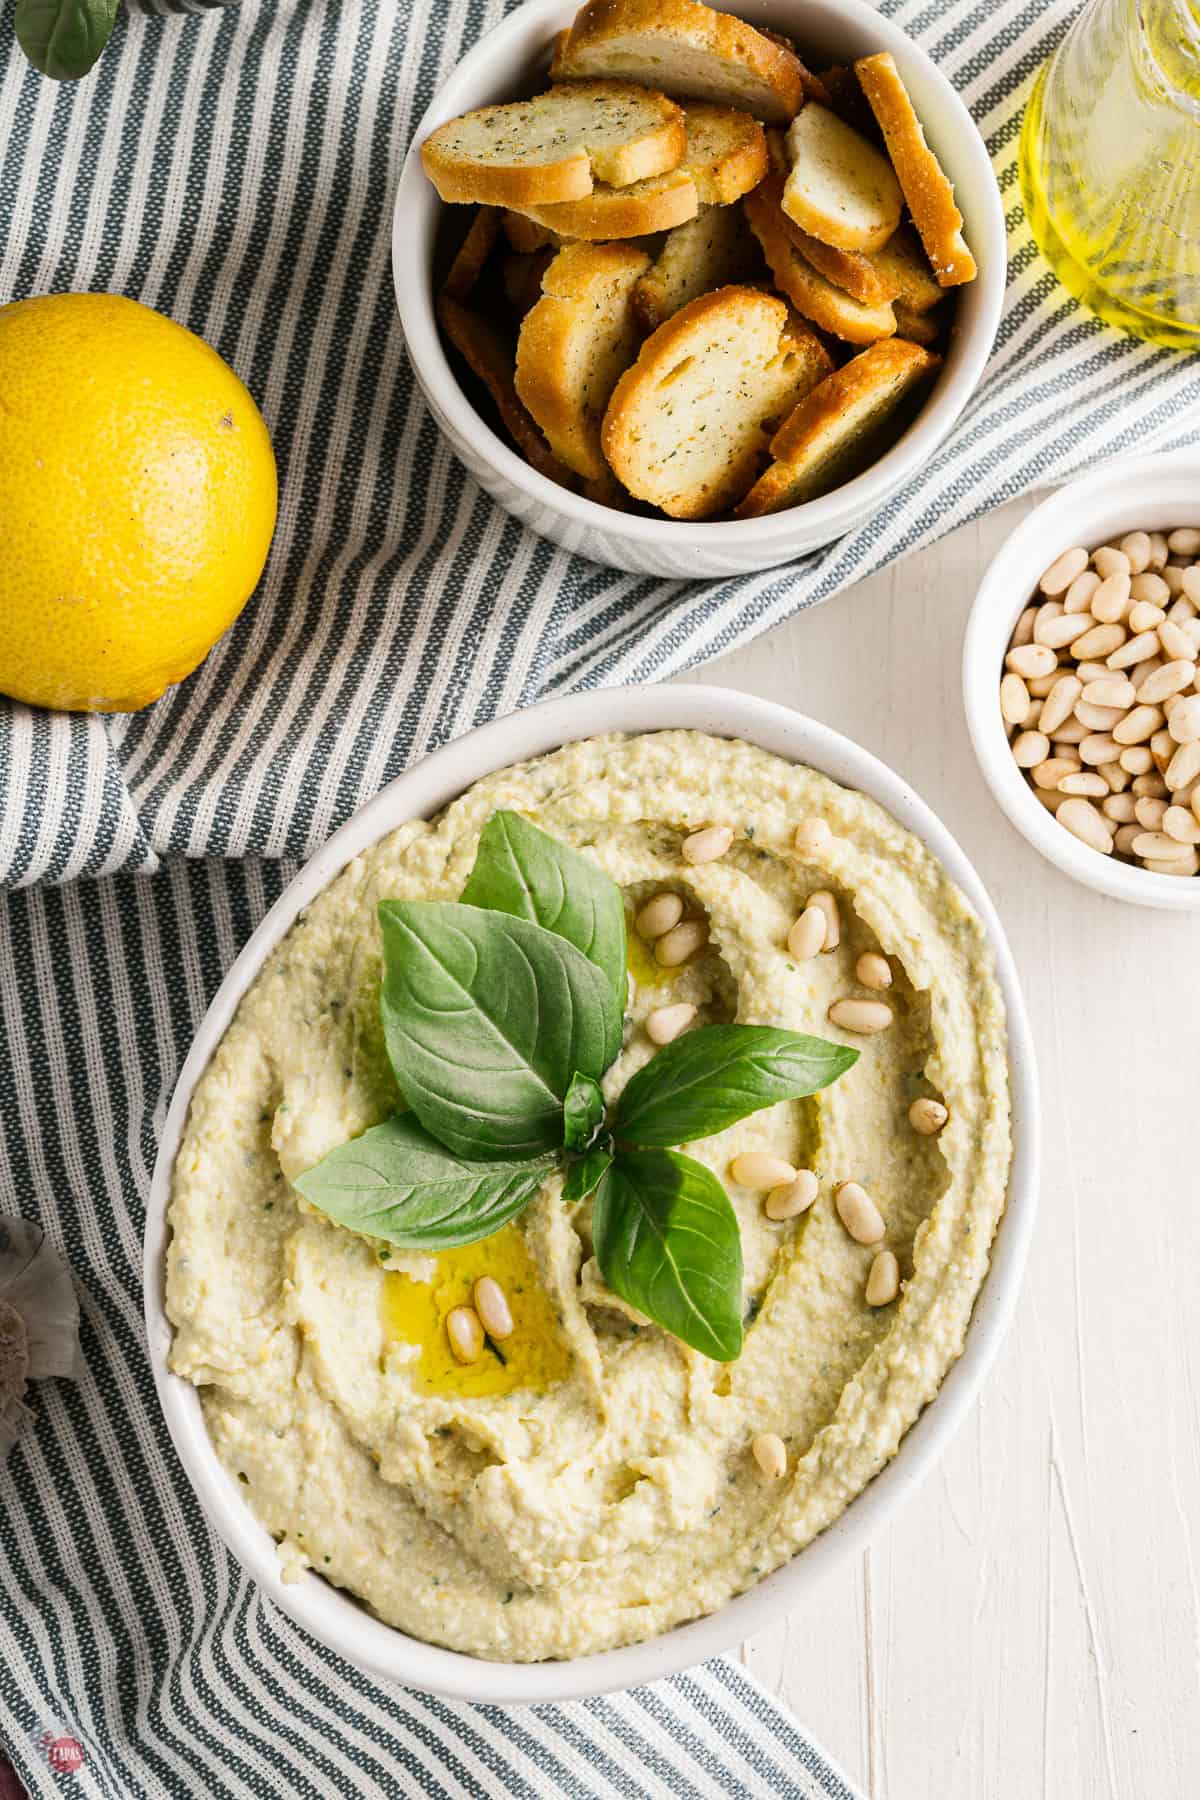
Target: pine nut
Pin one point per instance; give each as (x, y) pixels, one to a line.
(1137, 759)
(1119, 808)
(1098, 718)
(681, 942)
(658, 915)
(1084, 822)
(1184, 723)
(793, 1198)
(1059, 630)
(759, 1170)
(1099, 747)
(465, 1332)
(1142, 671)
(1091, 786)
(770, 1453)
(1050, 798)
(708, 845)
(833, 925)
(1125, 655)
(1113, 690)
(1184, 541)
(1079, 595)
(1115, 776)
(1149, 589)
(666, 1023)
(1149, 811)
(1111, 600)
(807, 935)
(1187, 864)
(1176, 642)
(491, 1303)
(1123, 838)
(1108, 560)
(1059, 703)
(1136, 545)
(1162, 748)
(1184, 611)
(1150, 787)
(1050, 773)
(1092, 671)
(858, 1212)
(1184, 766)
(1031, 660)
(1191, 583)
(813, 837)
(1023, 629)
(1071, 733)
(1014, 701)
(865, 1017)
(1145, 617)
(883, 1282)
(1172, 678)
(1099, 642)
(1039, 685)
(927, 1116)
(1159, 550)
(873, 970)
(1180, 823)
(1174, 580)
(1063, 570)
(1030, 748)
(1137, 726)
(1155, 844)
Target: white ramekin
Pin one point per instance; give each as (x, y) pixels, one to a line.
(510, 60)
(1147, 492)
(331, 1615)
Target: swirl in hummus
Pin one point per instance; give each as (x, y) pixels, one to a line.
(596, 1486)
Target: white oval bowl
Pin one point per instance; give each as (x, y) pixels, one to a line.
(1148, 493)
(332, 1615)
(510, 60)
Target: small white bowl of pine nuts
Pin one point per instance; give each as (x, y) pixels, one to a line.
(1081, 679)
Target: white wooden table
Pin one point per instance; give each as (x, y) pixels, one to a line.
(1030, 1624)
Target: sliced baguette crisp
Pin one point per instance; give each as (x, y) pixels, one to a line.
(829, 307)
(700, 53)
(725, 156)
(574, 344)
(857, 274)
(918, 328)
(929, 194)
(834, 431)
(688, 425)
(713, 250)
(522, 279)
(485, 352)
(557, 146)
(839, 189)
(526, 235)
(473, 252)
(903, 261)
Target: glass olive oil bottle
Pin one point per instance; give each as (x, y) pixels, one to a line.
(1110, 165)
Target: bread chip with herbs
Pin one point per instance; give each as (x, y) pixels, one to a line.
(485, 352)
(926, 188)
(830, 308)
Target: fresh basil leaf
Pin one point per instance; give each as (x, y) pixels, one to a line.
(486, 1019)
(667, 1240)
(63, 38)
(397, 1183)
(584, 1175)
(583, 1112)
(709, 1079)
(523, 871)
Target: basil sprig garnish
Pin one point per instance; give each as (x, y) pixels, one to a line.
(501, 1015)
(63, 38)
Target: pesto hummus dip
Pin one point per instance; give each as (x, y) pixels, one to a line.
(593, 1483)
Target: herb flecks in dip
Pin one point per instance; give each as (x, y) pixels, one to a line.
(613, 1491)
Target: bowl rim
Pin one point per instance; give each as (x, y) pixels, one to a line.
(1141, 485)
(834, 512)
(331, 1615)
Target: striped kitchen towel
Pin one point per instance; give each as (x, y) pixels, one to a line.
(237, 170)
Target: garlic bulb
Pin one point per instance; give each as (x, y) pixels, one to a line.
(39, 1321)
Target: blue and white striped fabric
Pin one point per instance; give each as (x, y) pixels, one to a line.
(236, 170)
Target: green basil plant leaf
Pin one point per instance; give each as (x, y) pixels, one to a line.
(522, 871)
(397, 1183)
(486, 1019)
(584, 1175)
(667, 1241)
(583, 1112)
(63, 38)
(708, 1079)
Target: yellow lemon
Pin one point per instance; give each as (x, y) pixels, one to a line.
(137, 501)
